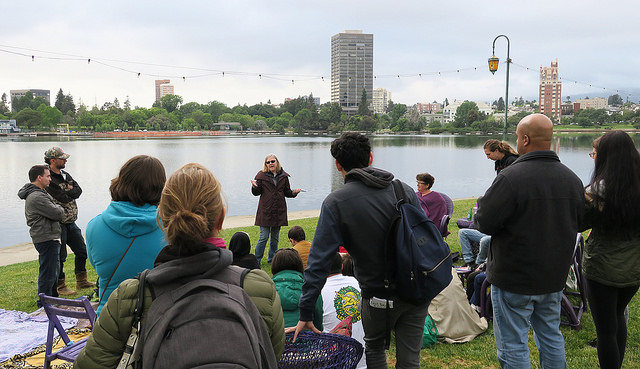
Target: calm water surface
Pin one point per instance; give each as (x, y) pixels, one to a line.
(457, 162)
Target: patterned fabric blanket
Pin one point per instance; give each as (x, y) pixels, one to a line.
(21, 332)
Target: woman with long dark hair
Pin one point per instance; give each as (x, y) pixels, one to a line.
(612, 252)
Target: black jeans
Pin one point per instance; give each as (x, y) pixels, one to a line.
(72, 235)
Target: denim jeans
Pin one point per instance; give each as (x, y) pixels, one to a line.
(407, 320)
(72, 235)
(467, 235)
(48, 257)
(262, 242)
(513, 314)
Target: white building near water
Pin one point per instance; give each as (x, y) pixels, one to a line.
(8, 126)
(449, 111)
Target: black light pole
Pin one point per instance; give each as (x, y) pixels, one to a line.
(493, 67)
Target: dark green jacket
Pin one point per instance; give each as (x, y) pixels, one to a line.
(609, 259)
(289, 286)
(106, 343)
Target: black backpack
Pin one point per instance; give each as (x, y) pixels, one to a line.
(204, 323)
(422, 258)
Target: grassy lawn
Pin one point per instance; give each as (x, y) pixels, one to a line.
(18, 288)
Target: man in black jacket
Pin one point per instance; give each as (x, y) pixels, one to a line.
(65, 190)
(532, 211)
(358, 217)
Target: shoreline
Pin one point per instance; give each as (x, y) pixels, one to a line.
(23, 252)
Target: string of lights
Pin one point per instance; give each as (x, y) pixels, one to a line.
(35, 54)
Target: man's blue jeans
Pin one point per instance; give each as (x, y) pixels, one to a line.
(262, 242)
(513, 314)
(467, 235)
(48, 257)
(72, 235)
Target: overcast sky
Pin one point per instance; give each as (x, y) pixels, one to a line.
(596, 43)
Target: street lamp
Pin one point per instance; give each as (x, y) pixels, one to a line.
(493, 67)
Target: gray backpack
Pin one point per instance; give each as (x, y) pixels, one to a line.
(204, 323)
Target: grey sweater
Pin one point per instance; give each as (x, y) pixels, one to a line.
(43, 215)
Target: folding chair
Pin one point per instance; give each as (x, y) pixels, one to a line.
(54, 307)
(449, 203)
(574, 302)
(486, 306)
(443, 227)
(444, 224)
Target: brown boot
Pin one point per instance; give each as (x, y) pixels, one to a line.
(63, 290)
(82, 282)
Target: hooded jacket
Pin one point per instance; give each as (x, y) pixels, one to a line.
(240, 245)
(106, 343)
(272, 206)
(43, 215)
(289, 286)
(357, 216)
(110, 233)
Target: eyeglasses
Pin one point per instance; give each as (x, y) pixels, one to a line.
(270, 161)
(421, 183)
(592, 154)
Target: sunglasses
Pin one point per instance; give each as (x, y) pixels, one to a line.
(270, 161)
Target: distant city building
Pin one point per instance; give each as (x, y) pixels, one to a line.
(593, 103)
(428, 108)
(449, 111)
(316, 100)
(8, 126)
(163, 87)
(550, 91)
(380, 100)
(45, 94)
(351, 69)
(569, 107)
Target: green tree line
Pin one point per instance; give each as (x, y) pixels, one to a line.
(299, 114)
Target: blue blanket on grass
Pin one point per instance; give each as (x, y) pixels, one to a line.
(22, 332)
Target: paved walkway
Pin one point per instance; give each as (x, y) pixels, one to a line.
(26, 252)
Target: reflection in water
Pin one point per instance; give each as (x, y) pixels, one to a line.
(456, 161)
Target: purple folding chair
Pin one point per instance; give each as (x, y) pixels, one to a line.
(54, 307)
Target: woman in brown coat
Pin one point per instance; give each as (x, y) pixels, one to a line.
(272, 185)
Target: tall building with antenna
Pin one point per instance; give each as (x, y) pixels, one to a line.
(351, 69)
(550, 101)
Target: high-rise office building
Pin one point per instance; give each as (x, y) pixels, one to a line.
(163, 88)
(351, 69)
(550, 101)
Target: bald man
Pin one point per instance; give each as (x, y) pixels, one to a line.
(532, 211)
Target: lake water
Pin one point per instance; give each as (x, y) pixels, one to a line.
(457, 162)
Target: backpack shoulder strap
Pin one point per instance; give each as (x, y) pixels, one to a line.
(400, 196)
